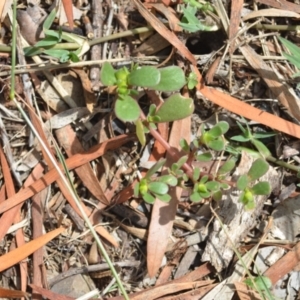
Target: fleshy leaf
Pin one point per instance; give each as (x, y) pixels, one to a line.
(196, 173)
(184, 145)
(144, 76)
(240, 138)
(213, 186)
(219, 129)
(127, 109)
(139, 127)
(204, 157)
(171, 79)
(149, 198)
(196, 197)
(258, 169)
(164, 198)
(158, 187)
(136, 190)
(107, 74)
(217, 196)
(242, 182)
(261, 188)
(174, 108)
(217, 145)
(155, 168)
(227, 166)
(168, 179)
(49, 20)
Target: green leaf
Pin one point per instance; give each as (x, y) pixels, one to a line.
(156, 167)
(152, 110)
(191, 23)
(219, 129)
(295, 51)
(224, 186)
(192, 80)
(261, 188)
(171, 79)
(217, 196)
(204, 157)
(107, 74)
(242, 182)
(196, 197)
(240, 138)
(247, 197)
(136, 190)
(263, 135)
(174, 108)
(168, 179)
(139, 127)
(227, 166)
(263, 283)
(184, 145)
(213, 186)
(217, 145)
(49, 20)
(203, 179)
(182, 160)
(262, 149)
(164, 198)
(47, 42)
(144, 76)
(127, 109)
(258, 169)
(158, 187)
(196, 173)
(73, 57)
(31, 51)
(52, 34)
(149, 198)
(57, 53)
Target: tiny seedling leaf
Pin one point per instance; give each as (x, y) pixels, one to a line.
(155, 168)
(242, 182)
(182, 160)
(259, 168)
(157, 187)
(261, 188)
(174, 108)
(127, 109)
(171, 79)
(107, 74)
(204, 179)
(144, 76)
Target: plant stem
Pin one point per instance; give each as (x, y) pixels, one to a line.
(73, 46)
(277, 27)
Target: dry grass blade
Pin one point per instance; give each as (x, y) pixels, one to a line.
(285, 5)
(235, 17)
(271, 12)
(6, 293)
(68, 7)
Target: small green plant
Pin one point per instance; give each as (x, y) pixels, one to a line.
(294, 57)
(151, 188)
(192, 80)
(245, 183)
(213, 138)
(191, 23)
(261, 284)
(247, 136)
(168, 79)
(52, 38)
